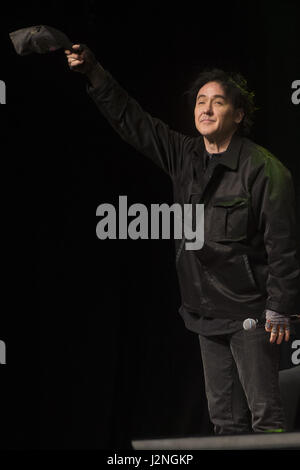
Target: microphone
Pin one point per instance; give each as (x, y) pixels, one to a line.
(249, 324)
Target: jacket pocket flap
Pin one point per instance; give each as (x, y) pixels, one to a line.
(231, 202)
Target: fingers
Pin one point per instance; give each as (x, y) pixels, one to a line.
(273, 335)
(287, 334)
(74, 46)
(74, 59)
(268, 326)
(277, 332)
(280, 336)
(73, 63)
(74, 55)
(81, 58)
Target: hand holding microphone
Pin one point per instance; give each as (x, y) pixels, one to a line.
(277, 324)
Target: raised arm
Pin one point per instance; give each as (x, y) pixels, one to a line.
(147, 134)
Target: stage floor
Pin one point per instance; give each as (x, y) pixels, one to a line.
(289, 440)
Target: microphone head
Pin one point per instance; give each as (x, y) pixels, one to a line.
(249, 324)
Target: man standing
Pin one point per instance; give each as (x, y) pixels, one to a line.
(248, 266)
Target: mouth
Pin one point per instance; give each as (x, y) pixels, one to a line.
(207, 120)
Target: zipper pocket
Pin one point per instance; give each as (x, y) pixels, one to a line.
(249, 270)
(179, 250)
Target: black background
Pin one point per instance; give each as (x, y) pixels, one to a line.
(96, 351)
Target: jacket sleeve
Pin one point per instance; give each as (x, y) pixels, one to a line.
(148, 135)
(274, 204)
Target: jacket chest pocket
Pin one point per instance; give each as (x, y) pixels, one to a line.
(229, 219)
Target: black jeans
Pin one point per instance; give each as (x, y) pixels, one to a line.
(241, 382)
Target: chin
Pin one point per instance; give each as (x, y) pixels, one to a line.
(207, 134)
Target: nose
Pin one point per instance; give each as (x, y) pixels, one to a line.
(208, 108)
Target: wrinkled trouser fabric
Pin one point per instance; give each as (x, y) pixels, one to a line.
(241, 382)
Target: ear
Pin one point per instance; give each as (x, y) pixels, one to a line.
(239, 114)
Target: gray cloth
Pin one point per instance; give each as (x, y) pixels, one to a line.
(40, 39)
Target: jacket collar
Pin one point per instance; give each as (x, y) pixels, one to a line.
(231, 156)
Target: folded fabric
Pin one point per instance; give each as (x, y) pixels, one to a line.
(39, 39)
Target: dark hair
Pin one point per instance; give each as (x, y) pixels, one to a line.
(236, 90)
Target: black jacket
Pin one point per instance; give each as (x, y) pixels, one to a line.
(249, 260)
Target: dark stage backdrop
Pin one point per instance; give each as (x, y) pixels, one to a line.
(96, 351)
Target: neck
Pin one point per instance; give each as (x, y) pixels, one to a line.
(219, 145)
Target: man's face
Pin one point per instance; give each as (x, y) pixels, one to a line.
(215, 116)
